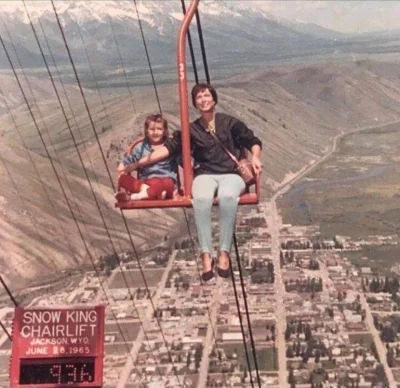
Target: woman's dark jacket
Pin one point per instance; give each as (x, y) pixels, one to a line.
(209, 157)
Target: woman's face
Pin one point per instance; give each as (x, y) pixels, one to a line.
(204, 101)
(155, 132)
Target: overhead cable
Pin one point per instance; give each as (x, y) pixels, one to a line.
(6, 331)
(253, 346)
(113, 186)
(122, 63)
(9, 293)
(67, 238)
(80, 157)
(196, 76)
(55, 171)
(241, 322)
(78, 128)
(147, 56)
(184, 210)
(202, 46)
(234, 235)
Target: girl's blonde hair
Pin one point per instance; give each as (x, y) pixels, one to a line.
(157, 118)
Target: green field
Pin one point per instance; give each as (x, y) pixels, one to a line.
(129, 331)
(380, 258)
(362, 339)
(4, 369)
(355, 192)
(266, 357)
(134, 278)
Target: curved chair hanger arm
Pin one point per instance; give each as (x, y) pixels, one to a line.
(183, 97)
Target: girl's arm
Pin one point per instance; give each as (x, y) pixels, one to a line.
(152, 158)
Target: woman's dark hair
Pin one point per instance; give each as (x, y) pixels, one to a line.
(201, 87)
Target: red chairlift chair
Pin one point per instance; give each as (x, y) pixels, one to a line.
(185, 200)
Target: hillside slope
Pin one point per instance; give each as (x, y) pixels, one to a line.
(296, 111)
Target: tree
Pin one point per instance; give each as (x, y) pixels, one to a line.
(317, 356)
(307, 333)
(288, 332)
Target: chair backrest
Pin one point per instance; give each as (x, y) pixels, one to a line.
(244, 153)
(133, 144)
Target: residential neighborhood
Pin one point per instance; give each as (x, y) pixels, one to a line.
(316, 320)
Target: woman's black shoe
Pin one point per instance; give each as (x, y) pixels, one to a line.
(224, 273)
(207, 276)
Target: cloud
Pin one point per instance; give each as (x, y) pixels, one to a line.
(345, 16)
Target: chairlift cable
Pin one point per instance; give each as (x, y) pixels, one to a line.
(84, 169)
(31, 218)
(37, 128)
(239, 266)
(241, 322)
(234, 235)
(29, 151)
(122, 63)
(202, 286)
(196, 76)
(76, 123)
(33, 164)
(113, 186)
(69, 128)
(6, 331)
(93, 74)
(253, 346)
(55, 171)
(147, 56)
(202, 46)
(184, 210)
(8, 291)
(46, 130)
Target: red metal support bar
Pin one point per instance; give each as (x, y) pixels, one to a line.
(249, 198)
(183, 98)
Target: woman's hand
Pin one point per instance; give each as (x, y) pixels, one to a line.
(257, 165)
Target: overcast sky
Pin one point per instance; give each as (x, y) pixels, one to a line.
(339, 15)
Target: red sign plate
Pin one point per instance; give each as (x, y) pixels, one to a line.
(53, 347)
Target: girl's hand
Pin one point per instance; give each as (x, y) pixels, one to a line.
(121, 169)
(257, 165)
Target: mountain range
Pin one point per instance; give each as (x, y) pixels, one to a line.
(295, 108)
(232, 31)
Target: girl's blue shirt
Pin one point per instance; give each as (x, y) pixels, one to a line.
(164, 169)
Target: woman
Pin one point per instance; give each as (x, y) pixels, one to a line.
(214, 172)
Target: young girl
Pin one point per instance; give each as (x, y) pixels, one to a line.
(156, 181)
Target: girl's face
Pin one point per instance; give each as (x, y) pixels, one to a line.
(155, 133)
(204, 101)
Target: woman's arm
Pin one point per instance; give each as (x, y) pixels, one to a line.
(152, 158)
(256, 161)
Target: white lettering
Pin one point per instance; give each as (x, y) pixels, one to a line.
(31, 317)
(25, 331)
(60, 331)
(82, 316)
(70, 316)
(27, 318)
(181, 71)
(33, 351)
